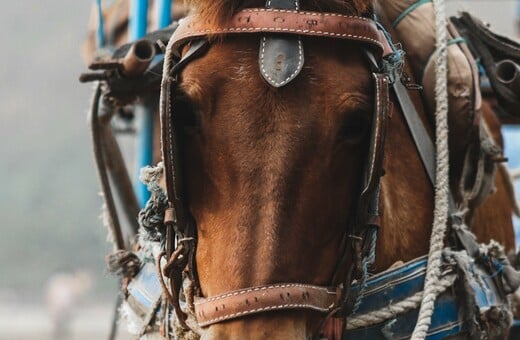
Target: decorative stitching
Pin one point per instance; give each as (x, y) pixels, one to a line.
(296, 4)
(253, 10)
(258, 289)
(262, 309)
(291, 76)
(264, 41)
(277, 29)
(378, 80)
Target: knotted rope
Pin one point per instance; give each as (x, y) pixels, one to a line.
(151, 217)
(123, 263)
(442, 177)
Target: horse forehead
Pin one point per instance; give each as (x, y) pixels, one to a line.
(337, 67)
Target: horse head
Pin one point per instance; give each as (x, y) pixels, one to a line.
(275, 175)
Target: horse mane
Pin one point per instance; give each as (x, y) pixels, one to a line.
(218, 11)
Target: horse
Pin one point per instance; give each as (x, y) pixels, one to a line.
(273, 174)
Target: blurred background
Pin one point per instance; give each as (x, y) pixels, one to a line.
(52, 242)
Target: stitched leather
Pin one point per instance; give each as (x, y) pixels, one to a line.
(177, 218)
(281, 58)
(261, 20)
(368, 205)
(423, 141)
(374, 166)
(260, 299)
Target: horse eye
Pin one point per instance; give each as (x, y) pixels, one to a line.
(355, 127)
(186, 113)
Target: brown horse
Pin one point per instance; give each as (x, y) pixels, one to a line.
(273, 173)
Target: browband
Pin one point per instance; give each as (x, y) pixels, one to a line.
(262, 20)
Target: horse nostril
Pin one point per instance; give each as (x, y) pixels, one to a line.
(281, 296)
(247, 302)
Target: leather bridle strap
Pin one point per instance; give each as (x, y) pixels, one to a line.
(259, 299)
(262, 20)
(423, 140)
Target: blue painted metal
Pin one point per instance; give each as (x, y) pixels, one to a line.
(100, 42)
(164, 13)
(144, 155)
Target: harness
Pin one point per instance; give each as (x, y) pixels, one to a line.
(181, 230)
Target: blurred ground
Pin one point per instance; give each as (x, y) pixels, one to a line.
(49, 203)
(24, 322)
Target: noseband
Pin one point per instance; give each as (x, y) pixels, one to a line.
(274, 26)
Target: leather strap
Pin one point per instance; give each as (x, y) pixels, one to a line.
(281, 58)
(179, 225)
(422, 139)
(368, 212)
(374, 167)
(176, 213)
(261, 20)
(260, 299)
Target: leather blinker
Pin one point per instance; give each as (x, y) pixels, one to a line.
(281, 58)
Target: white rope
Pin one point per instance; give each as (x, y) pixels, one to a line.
(393, 310)
(442, 177)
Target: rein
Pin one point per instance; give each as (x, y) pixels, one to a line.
(194, 34)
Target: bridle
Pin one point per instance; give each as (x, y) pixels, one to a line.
(181, 235)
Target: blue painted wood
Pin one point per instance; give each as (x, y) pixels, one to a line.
(407, 280)
(164, 13)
